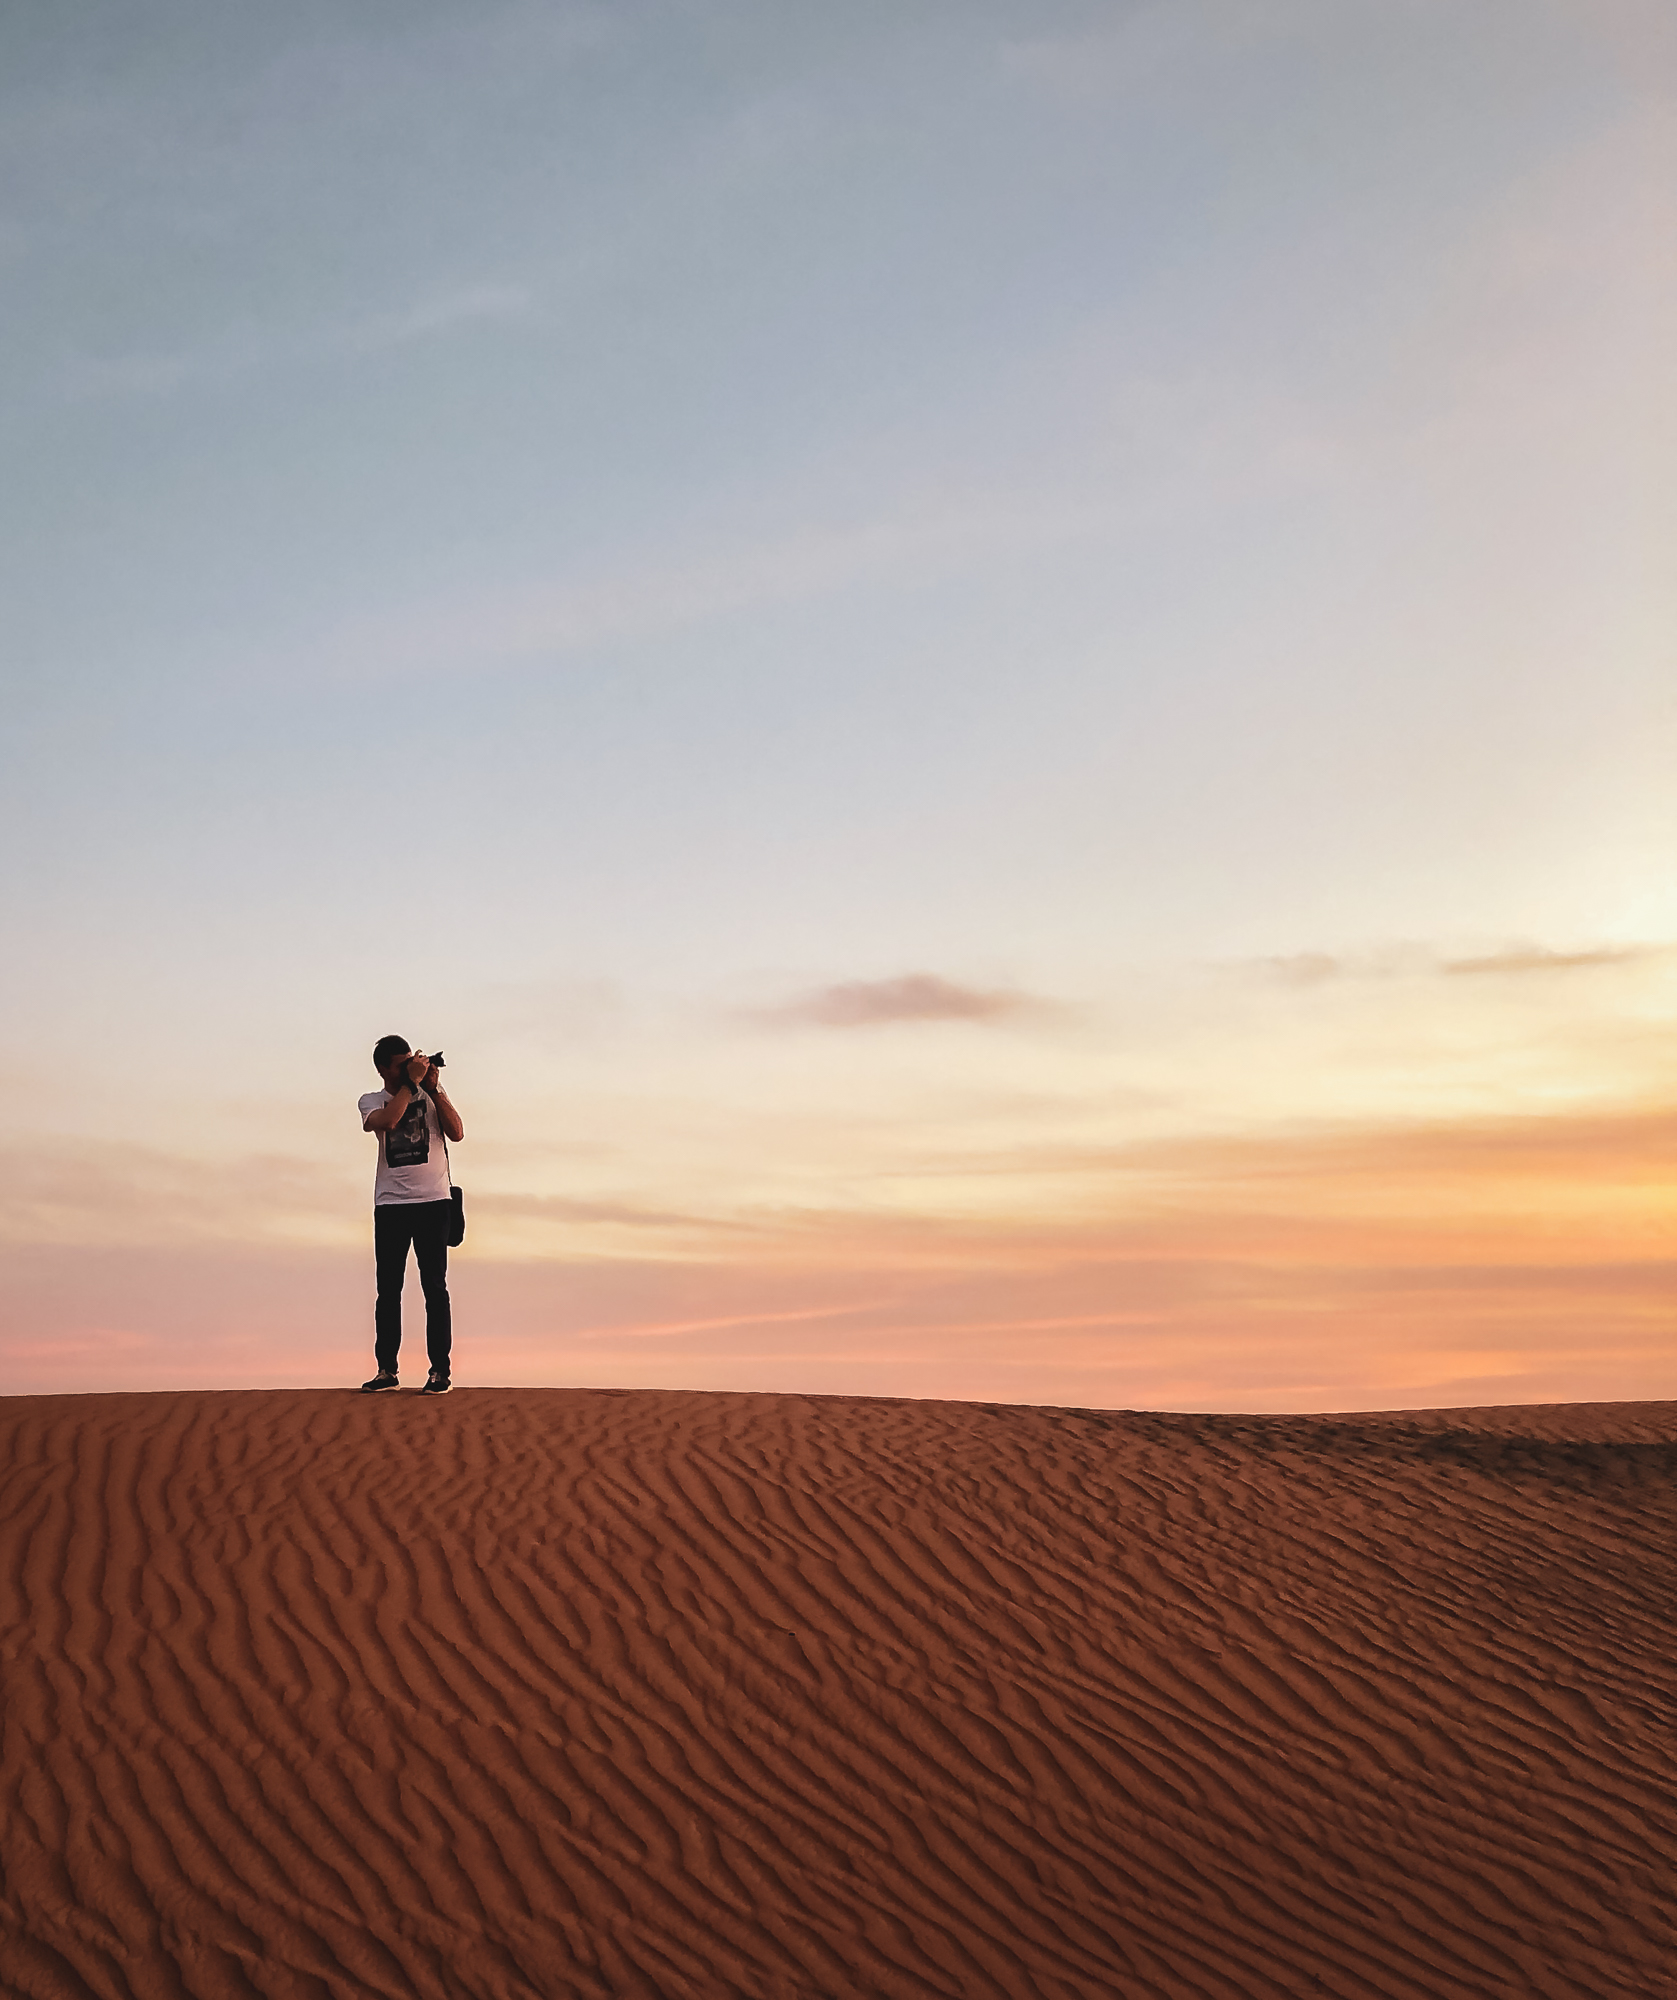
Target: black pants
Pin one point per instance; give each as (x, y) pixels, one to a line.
(424, 1224)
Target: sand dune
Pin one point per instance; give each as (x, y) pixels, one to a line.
(550, 1692)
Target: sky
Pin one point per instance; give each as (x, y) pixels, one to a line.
(1001, 676)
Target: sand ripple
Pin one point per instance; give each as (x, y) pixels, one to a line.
(554, 1693)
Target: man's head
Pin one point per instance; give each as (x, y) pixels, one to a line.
(387, 1049)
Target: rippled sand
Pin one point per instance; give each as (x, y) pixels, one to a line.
(551, 1692)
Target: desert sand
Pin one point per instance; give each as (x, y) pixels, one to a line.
(624, 1694)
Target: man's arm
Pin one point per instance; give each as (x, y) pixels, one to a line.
(388, 1116)
(447, 1116)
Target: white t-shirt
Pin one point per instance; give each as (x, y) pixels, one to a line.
(412, 1159)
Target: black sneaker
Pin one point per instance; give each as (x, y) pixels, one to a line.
(436, 1384)
(384, 1379)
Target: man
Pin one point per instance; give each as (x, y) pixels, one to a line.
(412, 1203)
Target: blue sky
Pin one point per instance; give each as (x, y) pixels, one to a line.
(577, 532)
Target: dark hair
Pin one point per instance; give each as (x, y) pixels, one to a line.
(386, 1049)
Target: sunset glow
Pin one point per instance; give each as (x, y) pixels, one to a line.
(1002, 677)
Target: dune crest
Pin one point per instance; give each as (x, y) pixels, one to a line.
(543, 1692)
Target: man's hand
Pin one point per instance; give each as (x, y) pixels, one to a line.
(401, 1084)
(403, 1079)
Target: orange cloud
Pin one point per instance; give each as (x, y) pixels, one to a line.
(1538, 958)
(916, 996)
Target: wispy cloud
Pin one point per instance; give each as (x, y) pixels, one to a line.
(915, 996)
(1539, 958)
(1319, 968)
(565, 1210)
(1304, 968)
(250, 350)
(68, 1191)
(916, 538)
(469, 306)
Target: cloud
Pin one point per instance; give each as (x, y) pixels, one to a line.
(1305, 968)
(468, 306)
(915, 996)
(564, 1209)
(250, 350)
(1539, 958)
(921, 535)
(85, 1192)
(1319, 968)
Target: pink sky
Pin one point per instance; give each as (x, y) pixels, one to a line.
(1502, 1261)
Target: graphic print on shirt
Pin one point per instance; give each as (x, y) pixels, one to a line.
(409, 1143)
